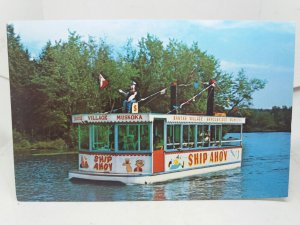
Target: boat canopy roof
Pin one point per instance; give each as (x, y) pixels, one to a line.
(149, 118)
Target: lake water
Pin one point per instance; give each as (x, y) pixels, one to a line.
(264, 174)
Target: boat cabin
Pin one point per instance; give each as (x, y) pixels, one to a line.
(149, 143)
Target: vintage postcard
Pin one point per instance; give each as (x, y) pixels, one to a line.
(130, 110)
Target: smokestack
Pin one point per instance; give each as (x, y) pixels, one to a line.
(210, 98)
(173, 102)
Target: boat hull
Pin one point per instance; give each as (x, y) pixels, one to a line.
(131, 179)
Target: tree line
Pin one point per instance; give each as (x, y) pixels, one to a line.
(63, 80)
(275, 119)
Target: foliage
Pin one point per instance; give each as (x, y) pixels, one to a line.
(21, 70)
(22, 143)
(58, 144)
(236, 94)
(275, 119)
(63, 81)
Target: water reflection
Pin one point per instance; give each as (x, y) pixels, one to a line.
(159, 193)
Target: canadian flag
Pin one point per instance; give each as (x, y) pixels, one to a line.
(102, 82)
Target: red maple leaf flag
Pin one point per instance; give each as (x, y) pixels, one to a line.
(102, 82)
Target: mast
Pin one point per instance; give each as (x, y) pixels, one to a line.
(210, 98)
(173, 103)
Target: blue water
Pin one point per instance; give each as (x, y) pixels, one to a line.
(264, 174)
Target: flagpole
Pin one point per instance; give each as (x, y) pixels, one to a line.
(143, 99)
(162, 91)
(182, 104)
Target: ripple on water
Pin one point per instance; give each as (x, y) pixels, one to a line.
(264, 173)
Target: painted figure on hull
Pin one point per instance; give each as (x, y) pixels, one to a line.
(176, 163)
(139, 164)
(127, 165)
(84, 162)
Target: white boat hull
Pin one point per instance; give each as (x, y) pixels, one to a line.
(130, 179)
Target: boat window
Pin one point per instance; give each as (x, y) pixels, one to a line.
(200, 135)
(173, 136)
(231, 135)
(83, 136)
(215, 135)
(103, 137)
(188, 136)
(133, 137)
(170, 136)
(203, 136)
(145, 137)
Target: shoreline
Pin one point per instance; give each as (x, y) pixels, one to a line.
(270, 131)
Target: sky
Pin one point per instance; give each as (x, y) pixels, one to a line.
(264, 49)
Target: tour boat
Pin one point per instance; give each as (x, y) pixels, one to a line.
(145, 148)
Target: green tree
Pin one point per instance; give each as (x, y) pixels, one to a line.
(63, 81)
(237, 92)
(21, 70)
(64, 85)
